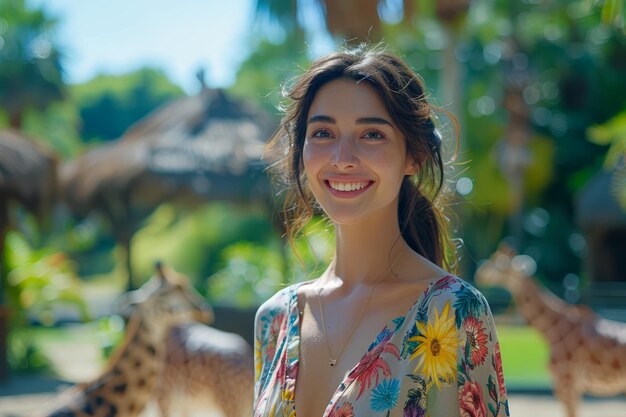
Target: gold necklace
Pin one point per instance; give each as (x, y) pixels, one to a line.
(333, 361)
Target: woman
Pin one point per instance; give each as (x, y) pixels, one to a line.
(385, 329)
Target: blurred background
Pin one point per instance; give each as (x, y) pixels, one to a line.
(131, 132)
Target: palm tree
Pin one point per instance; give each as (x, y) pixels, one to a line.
(30, 64)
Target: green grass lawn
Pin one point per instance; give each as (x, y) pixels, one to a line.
(524, 357)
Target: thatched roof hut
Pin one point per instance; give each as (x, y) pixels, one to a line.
(192, 150)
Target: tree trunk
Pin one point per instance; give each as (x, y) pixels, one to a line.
(354, 20)
(15, 120)
(125, 241)
(450, 87)
(4, 310)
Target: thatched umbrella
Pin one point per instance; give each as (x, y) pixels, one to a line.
(27, 178)
(195, 149)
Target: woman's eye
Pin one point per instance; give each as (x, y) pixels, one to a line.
(373, 134)
(322, 134)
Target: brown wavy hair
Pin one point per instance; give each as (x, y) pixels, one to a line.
(422, 223)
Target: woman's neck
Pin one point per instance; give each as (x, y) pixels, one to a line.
(364, 254)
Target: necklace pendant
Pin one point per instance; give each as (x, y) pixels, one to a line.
(332, 362)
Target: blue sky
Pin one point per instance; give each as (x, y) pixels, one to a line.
(118, 36)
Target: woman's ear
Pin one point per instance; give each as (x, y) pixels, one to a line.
(412, 166)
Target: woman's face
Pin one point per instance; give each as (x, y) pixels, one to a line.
(354, 156)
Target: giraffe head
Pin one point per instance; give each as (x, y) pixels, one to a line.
(166, 299)
(504, 268)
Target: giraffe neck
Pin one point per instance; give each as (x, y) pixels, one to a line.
(538, 305)
(132, 372)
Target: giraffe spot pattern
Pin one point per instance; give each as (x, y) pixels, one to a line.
(120, 389)
(125, 387)
(151, 349)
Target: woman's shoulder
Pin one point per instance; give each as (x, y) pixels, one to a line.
(458, 285)
(280, 302)
(460, 294)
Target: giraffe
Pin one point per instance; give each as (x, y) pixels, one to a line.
(132, 373)
(205, 368)
(587, 352)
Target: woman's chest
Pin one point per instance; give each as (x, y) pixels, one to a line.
(383, 380)
(332, 360)
(338, 342)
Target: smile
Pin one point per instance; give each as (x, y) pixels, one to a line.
(347, 186)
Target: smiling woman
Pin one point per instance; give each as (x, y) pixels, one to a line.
(385, 329)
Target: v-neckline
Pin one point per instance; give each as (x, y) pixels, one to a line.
(292, 354)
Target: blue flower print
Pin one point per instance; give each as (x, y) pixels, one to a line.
(385, 395)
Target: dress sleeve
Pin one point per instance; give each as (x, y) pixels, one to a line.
(268, 322)
(259, 343)
(480, 380)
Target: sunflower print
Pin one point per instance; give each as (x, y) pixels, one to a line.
(437, 347)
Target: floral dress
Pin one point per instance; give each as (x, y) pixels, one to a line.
(441, 360)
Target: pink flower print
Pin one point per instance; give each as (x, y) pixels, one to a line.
(497, 359)
(471, 400)
(275, 330)
(476, 340)
(368, 367)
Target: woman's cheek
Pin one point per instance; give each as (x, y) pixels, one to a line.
(313, 158)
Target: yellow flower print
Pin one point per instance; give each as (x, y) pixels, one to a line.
(288, 395)
(437, 347)
(258, 360)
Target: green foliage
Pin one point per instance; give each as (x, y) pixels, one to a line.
(272, 15)
(24, 353)
(251, 273)
(190, 241)
(312, 251)
(38, 281)
(613, 134)
(613, 13)
(30, 62)
(267, 68)
(57, 127)
(540, 171)
(109, 104)
(110, 333)
(232, 254)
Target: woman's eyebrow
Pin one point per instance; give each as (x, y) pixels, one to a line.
(362, 121)
(321, 118)
(373, 121)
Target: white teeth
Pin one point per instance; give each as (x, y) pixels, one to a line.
(347, 186)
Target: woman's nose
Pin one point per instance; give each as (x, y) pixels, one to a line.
(345, 155)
